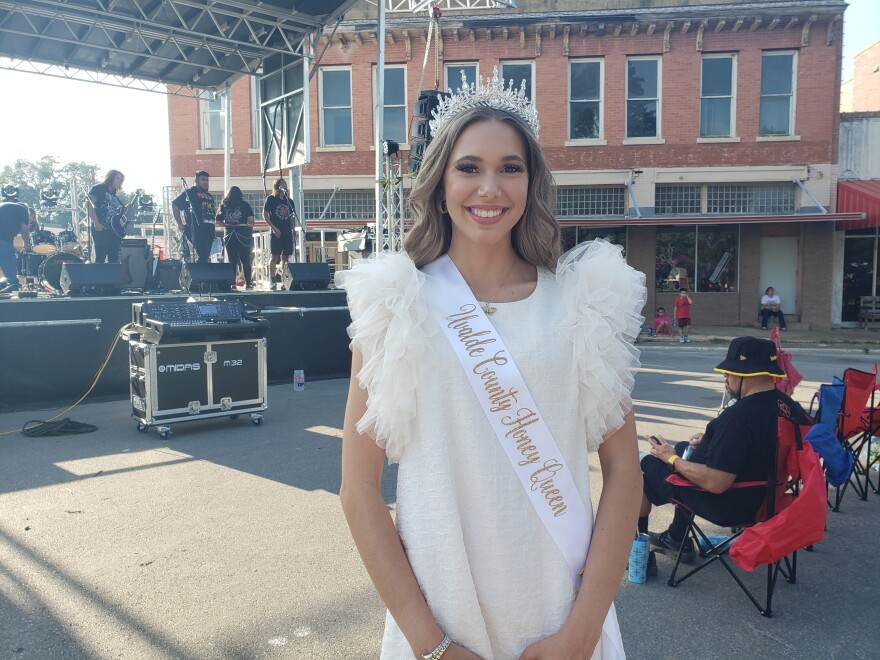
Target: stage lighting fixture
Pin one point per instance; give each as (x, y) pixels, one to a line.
(48, 198)
(145, 203)
(9, 193)
(390, 148)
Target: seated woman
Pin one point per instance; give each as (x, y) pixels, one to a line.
(662, 323)
(770, 306)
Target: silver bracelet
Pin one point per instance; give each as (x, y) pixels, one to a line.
(437, 653)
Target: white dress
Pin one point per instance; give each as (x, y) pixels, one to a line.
(487, 567)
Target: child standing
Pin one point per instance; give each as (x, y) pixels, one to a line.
(683, 315)
(662, 323)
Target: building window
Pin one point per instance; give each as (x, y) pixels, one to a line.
(777, 93)
(678, 200)
(585, 100)
(255, 112)
(717, 96)
(572, 236)
(861, 270)
(703, 259)
(336, 126)
(453, 74)
(395, 124)
(355, 205)
(643, 97)
(579, 201)
(519, 73)
(751, 198)
(213, 123)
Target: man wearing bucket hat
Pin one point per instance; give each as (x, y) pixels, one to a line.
(738, 445)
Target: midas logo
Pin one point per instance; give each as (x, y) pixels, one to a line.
(232, 363)
(195, 366)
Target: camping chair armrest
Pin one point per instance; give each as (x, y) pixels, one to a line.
(681, 482)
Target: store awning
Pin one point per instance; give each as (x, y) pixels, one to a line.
(861, 197)
(667, 220)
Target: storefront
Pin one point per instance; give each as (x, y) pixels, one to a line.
(861, 245)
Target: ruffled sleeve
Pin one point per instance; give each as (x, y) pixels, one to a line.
(389, 327)
(604, 298)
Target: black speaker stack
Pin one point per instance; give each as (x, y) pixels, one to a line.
(92, 279)
(306, 277)
(207, 277)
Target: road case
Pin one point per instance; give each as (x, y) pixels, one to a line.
(183, 382)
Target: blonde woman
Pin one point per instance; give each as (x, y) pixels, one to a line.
(487, 369)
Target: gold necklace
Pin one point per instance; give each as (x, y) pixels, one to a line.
(487, 305)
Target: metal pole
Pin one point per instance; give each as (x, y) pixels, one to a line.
(378, 116)
(227, 139)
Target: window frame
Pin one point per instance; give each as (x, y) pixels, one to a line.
(694, 282)
(659, 99)
(204, 113)
(601, 136)
(321, 107)
(256, 114)
(792, 114)
(734, 66)
(531, 64)
(446, 67)
(385, 106)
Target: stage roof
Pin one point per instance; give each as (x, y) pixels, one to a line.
(187, 44)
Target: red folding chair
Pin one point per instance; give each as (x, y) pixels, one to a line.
(773, 538)
(859, 422)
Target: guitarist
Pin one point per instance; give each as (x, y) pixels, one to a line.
(105, 211)
(200, 209)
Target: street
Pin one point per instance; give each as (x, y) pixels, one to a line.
(228, 541)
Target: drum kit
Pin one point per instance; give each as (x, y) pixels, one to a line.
(49, 252)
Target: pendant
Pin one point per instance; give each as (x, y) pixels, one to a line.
(487, 308)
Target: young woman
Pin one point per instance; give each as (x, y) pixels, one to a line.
(478, 565)
(238, 217)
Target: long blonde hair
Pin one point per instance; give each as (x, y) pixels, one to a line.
(535, 238)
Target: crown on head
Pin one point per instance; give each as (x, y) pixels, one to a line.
(491, 95)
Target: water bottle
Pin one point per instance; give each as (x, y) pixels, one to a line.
(650, 332)
(638, 559)
(299, 380)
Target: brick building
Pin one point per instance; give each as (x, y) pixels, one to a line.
(861, 93)
(702, 138)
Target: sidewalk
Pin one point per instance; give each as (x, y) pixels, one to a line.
(853, 339)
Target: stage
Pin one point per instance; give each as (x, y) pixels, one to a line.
(51, 348)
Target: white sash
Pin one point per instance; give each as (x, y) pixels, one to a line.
(517, 423)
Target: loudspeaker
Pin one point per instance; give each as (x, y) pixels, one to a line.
(421, 130)
(91, 279)
(136, 263)
(168, 274)
(207, 278)
(301, 277)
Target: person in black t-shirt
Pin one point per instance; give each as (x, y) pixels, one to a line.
(13, 221)
(278, 212)
(198, 204)
(238, 217)
(738, 445)
(105, 208)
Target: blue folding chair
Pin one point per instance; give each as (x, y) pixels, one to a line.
(830, 399)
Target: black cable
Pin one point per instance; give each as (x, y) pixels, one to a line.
(40, 429)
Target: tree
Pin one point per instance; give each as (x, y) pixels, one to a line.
(48, 173)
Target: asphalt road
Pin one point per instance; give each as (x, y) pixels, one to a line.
(227, 540)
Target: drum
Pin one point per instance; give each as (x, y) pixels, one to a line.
(43, 242)
(29, 264)
(50, 271)
(67, 241)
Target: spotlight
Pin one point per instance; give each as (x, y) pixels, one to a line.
(390, 148)
(9, 193)
(145, 204)
(48, 198)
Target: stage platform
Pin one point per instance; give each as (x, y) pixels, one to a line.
(51, 348)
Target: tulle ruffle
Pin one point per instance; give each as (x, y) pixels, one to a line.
(389, 326)
(603, 299)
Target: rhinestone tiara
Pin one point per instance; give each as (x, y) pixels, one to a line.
(491, 95)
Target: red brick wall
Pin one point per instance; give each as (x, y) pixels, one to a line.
(866, 81)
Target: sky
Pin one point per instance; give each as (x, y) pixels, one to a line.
(128, 130)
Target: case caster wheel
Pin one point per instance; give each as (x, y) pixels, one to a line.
(256, 419)
(142, 427)
(233, 417)
(164, 432)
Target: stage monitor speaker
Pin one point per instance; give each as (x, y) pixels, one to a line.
(92, 279)
(302, 277)
(137, 264)
(207, 277)
(168, 274)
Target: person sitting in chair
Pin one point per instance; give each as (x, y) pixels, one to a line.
(770, 306)
(738, 445)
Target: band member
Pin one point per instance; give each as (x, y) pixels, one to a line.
(200, 209)
(13, 221)
(104, 209)
(278, 212)
(238, 217)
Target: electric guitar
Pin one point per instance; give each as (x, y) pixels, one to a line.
(118, 219)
